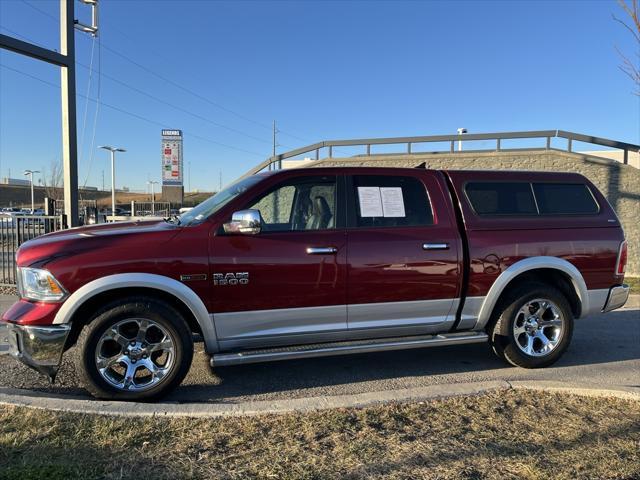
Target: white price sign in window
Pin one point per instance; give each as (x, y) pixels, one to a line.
(370, 202)
(392, 201)
(381, 202)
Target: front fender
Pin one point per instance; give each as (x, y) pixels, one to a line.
(145, 280)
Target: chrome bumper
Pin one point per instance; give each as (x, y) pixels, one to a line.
(38, 347)
(617, 298)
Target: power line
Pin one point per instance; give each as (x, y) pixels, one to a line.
(43, 12)
(153, 97)
(177, 107)
(171, 82)
(137, 90)
(95, 115)
(135, 115)
(175, 84)
(86, 103)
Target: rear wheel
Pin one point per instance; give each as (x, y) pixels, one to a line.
(136, 349)
(532, 326)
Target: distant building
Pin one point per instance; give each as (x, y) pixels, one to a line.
(15, 181)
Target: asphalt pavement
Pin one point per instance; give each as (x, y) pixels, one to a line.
(604, 353)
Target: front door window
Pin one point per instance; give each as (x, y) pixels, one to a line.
(302, 204)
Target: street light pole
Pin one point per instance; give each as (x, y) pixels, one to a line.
(113, 151)
(153, 197)
(30, 174)
(461, 131)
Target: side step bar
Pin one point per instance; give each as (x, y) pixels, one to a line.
(345, 348)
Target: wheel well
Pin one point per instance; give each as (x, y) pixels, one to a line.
(83, 315)
(549, 276)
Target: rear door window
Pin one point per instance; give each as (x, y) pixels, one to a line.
(501, 198)
(390, 201)
(565, 199)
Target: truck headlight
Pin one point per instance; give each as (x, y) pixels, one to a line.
(39, 285)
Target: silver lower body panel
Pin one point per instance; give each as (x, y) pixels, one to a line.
(344, 348)
(36, 346)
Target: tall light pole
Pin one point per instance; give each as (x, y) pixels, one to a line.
(30, 173)
(461, 131)
(153, 197)
(113, 151)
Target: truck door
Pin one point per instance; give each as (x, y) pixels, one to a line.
(286, 284)
(403, 254)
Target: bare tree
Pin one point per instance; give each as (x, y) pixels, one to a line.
(52, 180)
(629, 67)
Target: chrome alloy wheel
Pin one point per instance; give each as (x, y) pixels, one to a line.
(538, 327)
(135, 354)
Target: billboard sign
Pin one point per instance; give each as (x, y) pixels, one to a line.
(171, 154)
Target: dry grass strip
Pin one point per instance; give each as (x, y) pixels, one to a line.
(506, 434)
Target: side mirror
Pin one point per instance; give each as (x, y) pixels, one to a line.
(244, 222)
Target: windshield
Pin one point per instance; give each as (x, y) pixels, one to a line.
(219, 200)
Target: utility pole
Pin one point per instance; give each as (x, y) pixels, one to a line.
(220, 182)
(65, 59)
(189, 177)
(113, 151)
(275, 144)
(30, 173)
(69, 127)
(103, 180)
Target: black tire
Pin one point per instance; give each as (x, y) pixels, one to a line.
(508, 318)
(163, 321)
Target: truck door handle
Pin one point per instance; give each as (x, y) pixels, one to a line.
(435, 246)
(321, 250)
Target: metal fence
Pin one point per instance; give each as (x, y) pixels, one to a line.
(17, 229)
(82, 205)
(317, 150)
(150, 209)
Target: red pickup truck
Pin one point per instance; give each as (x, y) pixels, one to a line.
(322, 261)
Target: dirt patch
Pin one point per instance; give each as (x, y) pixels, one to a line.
(508, 434)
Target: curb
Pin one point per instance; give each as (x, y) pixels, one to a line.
(582, 390)
(39, 400)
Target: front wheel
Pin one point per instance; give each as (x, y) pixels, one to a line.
(138, 348)
(533, 326)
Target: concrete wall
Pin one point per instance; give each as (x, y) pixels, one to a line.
(618, 182)
(19, 196)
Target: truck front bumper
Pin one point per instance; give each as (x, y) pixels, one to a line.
(36, 346)
(617, 297)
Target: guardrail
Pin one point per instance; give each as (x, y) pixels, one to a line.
(452, 139)
(17, 229)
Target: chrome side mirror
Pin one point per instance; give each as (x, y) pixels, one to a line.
(244, 222)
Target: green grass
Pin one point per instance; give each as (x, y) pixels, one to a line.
(507, 434)
(634, 283)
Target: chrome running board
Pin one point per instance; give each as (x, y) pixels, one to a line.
(345, 348)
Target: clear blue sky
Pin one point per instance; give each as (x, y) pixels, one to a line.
(321, 69)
